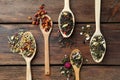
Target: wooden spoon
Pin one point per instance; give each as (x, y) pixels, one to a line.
(46, 38)
(66, 8)
(28, 59)
(76, 68)
(98, 32)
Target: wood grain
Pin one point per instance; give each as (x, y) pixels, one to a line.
(19, 10)
(87, 73)
(110, 31)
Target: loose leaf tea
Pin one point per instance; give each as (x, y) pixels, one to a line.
(27, 44)
(19, 43)
(14, 42)
(77, 59)
(65, 42)
(66, 22)
(67, 69)
(46, 23)
(97, 47)
(87, 32)
(38, 15)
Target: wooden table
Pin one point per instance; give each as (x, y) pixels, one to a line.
(13, 16)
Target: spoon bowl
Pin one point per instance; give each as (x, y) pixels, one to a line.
(29, 34)
(41, 27)
(46, 39)
(68, 10)
(28, 59)
(104, 45)
(76, 60)
(97, 42)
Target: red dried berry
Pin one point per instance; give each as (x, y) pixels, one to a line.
(58, 31)
(33, 22)
(65, 33)
(35, 19)
(41, 7)
(36, 15)
(39, 12)
(37, 23)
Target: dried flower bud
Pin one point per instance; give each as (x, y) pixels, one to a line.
(67, 65)
(30, 18)
(33, 22)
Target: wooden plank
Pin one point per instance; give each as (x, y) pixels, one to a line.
(19, 10)
(110, 31)
(87, 73)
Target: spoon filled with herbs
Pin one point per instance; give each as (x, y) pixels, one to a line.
(97, 42)
(76, 60)
(28, 50)
(46, 27)
(66, 20)
(24, 44)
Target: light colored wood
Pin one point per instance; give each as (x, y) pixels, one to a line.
(66, 5)
(97, 31)
(97, 15)
(28, 59)
(47, 60)
(77, 74)
(76, 69)
(66, 8)
(28, 71)
(46, 48)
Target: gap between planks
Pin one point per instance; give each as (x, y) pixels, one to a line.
(98, 65)
(57, 22)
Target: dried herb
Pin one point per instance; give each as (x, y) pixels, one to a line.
(64, 42)
(97, 46)
(66, 22)
(38, 15)
(77, 59)
(87, 32)
(14, 42)
(19, 44)
(27, 45)
(46, 23)
(67, 69)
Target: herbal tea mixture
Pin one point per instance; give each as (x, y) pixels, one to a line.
(97, 47)
(46, 23)
(86, 32)
(14, 42)
(38, 15)
(77, 59)
(67, 69)
(66, 22)
(22, 44)
(27, 45)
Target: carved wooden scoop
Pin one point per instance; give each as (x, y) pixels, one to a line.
(76, 60)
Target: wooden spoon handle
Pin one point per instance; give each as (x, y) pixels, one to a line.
(97, 14)
(28, 71)
(77, 76)
(47, 62)
(66, 4)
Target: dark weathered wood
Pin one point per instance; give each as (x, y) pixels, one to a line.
(87, 73)
(19, 10)
(12, 66)
(110, 31)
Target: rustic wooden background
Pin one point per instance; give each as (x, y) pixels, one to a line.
(13, 16)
